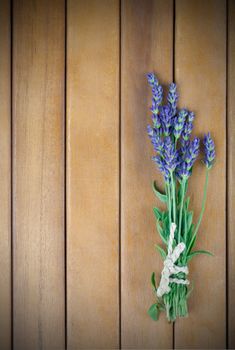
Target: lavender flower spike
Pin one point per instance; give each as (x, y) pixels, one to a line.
(156, 140)
(209, 150)
(165, 113)
(188, 128)
(157, 92)
(173, 97)
(179, 122)
(162, 167)
(152, 80)
(170, 155)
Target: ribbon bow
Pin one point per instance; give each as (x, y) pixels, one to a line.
(169, 265)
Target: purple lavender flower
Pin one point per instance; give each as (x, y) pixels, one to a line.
(179, 122)
(166, 116)
(191, 117)
(156, 140)
(209, 150)
(162, 167)
(152, 80)
(156, 121)
(183, 171)
(157, 92)
(167, 159)
(150, 131)
(188, 128)
(170, 125)
(184, 146)
(154, 107)
(187, 157)
(170, 154)
(193, 150)
(172, 98)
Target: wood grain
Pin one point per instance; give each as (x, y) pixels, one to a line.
(38, 174)
(231, 172)
(93, 174)
(5, 178)
(200, 63)
(147, 45)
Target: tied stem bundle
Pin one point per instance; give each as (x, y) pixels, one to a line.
(170, 268)
(176, 153)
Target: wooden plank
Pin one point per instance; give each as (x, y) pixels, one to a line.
(92, 173)
(38, 174)
(231, 172)
(200, 63)
(5, 178)
(147, 45)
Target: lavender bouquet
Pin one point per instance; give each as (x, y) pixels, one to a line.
(176, 153)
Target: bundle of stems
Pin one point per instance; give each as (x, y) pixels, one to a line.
(176, 153)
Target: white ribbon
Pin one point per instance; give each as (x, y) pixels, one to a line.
(169, 265)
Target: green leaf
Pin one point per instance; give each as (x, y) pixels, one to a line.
(192, 238)
(190, 219)
(161, 196)
(166, 222)
(179, 195)
(161, 233)
(165, 216)
(190, 233)
(153, 282)
(186, 186)
(158, 214)
(161, 251)
(187, 203)
(153, 312)
(185, 223)
(197, 252)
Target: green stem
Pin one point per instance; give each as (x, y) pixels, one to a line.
(173, 197)
(169, 201)
(176, 142)
(181, 209)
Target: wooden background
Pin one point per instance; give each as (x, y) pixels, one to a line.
(76, 223)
